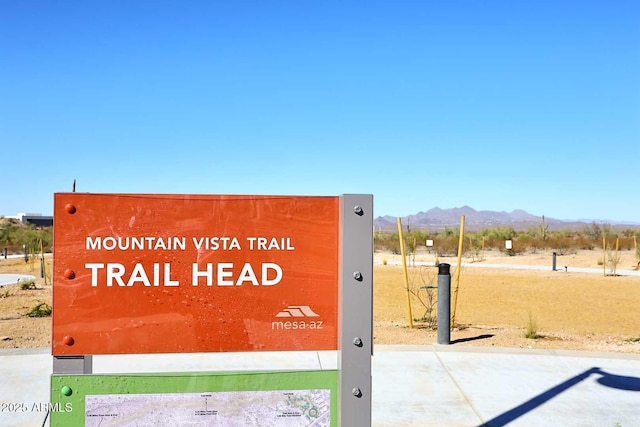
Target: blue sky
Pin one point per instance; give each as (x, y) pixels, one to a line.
(498, 105)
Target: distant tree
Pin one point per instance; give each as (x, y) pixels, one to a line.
(592, 231)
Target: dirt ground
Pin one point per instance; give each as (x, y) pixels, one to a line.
(570, 310)
(16, 329)
(567, 310)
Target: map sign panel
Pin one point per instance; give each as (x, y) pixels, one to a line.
(291, 408)
(194, 273)
(244, 398)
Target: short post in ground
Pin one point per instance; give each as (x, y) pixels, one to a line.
(444, 304)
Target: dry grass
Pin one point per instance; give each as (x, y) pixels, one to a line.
(17, 329)
(571, 310)
(578, 302)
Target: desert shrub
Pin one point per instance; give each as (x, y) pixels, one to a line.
(531, 231)
(596, 231)
(526, 240)
(475, 247)
(386, 242)
(495, 237)
(531, 239)
(581, 242)
(626, 243)
(612, 260)
(592, 231)
(564, 246)
(531, 327)
(42, 309)
(502, 233)
(27, 284)
(422, 285)
(446, 245)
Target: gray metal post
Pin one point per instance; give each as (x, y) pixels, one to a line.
(444, 304)
(355, 331)
(554, 262)
(5, 253)
(63, 365)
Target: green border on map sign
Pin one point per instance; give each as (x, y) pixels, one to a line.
(70, 410)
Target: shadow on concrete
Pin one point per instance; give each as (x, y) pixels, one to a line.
(618, 381)
(606, 379)
(479, 337)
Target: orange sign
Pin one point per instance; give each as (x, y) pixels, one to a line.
(194, 273)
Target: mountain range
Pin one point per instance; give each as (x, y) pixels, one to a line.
(437, 219)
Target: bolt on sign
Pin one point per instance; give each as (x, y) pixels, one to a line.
(194, 273)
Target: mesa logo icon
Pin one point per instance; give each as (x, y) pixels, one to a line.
(297, 311)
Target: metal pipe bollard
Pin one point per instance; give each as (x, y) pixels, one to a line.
(444, 304)
(554, 262)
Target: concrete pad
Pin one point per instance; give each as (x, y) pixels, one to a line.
(412, 385)
(25, 392)
(541, 389)
(413, 389)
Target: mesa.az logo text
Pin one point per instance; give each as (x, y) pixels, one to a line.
(297, 311)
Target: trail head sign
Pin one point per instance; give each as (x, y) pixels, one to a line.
(194, 273)
(149, 273)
